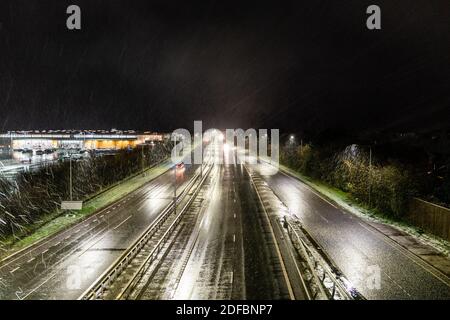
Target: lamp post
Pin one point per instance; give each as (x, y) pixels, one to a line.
(175, 185)
(142, 160)
(370, 174)
(70, 177)
(175, 189)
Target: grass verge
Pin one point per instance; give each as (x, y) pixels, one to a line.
(58, 221)
(345, 200)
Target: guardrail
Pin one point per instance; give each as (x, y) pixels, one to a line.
(321, 270)
(319, 266)
(126, 291)
(97, 289)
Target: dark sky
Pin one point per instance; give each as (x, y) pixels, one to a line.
(294, 65)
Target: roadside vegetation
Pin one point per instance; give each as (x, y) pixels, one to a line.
(382, 187)
(33, 199)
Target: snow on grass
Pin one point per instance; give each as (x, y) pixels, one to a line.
(344, 200)
(58, 221)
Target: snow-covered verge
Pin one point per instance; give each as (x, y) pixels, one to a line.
(345, 201)
(58, 221)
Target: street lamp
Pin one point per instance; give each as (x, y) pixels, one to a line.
(370, 174)
(70, 176)
(142, 160)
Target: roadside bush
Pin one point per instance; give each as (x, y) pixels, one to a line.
(385, 187)
(32, 195)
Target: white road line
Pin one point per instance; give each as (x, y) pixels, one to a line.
(234, 238)
(407, 254)
(141, 206)
(122, 222)
(44, 251)
(14, 257)
(62, 259)
(277, 248)
(15, 269)
(31, 259)
(310, 188)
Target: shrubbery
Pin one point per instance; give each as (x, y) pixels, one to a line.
(385, 187)
(32, 195)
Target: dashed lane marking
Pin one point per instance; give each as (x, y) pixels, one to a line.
(14, 270)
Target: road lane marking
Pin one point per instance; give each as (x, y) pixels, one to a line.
(289, 248)
(406, 253)
(31, 260)
(309, 187)
(277, 248)
(423, 264)
(122, 222)
(38, 245)
(142, 205)
(63, 258)
(15, 269)
(234, 238)
(33, 247)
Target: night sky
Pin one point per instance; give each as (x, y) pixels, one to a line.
(158, 65)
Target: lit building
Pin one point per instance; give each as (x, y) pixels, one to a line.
(86, 139)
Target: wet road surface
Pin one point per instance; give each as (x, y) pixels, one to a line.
(225, 250)
(364, 255)
(66, 264)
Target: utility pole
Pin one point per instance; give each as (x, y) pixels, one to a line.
(175, 189)
(175, 186)
(370, 174)
(142, 161)
(70, 177)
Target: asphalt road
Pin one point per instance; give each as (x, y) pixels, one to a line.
(231, 254)
(364, 255)
(222, 249)
(65, 265)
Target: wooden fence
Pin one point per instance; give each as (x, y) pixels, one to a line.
(430, 217)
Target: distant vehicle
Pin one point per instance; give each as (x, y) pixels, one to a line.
(39, 152)
(48, 151)
(180, 165)
(27, 150)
